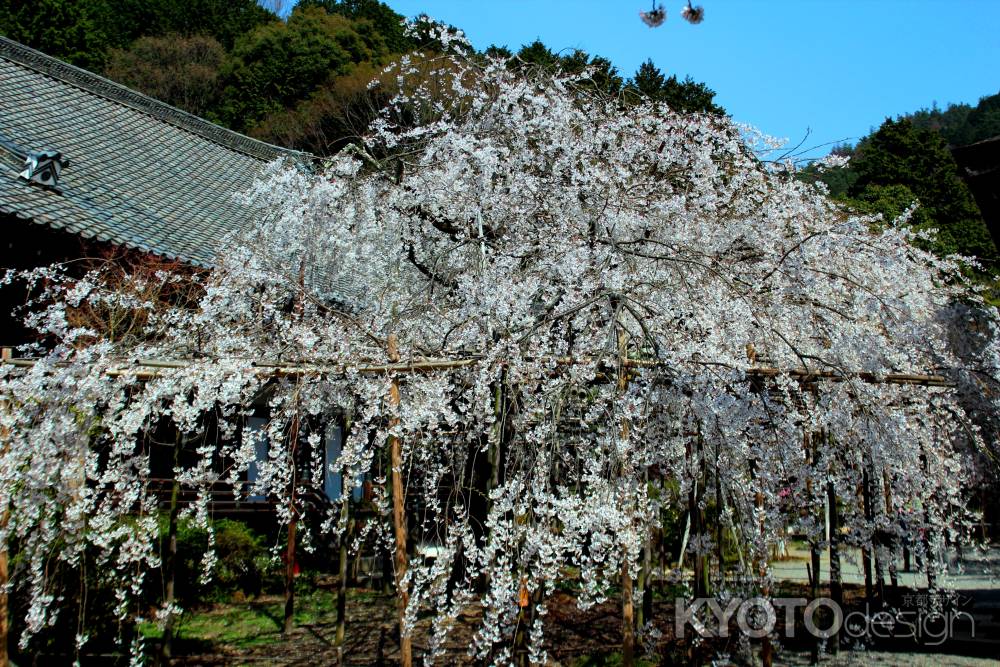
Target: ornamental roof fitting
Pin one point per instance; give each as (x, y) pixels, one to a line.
(44, 168)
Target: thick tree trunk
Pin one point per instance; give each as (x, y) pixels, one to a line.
(399, 517)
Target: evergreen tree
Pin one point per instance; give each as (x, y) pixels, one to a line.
(280, 64)
(962, 124)
(687, 95)
(77, 31)
(387, 22)
(900, 153)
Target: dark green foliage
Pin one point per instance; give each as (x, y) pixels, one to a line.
(494, 51)
(279, 64)
(181, 71)
(962, 124)
(538, 54)
(77, 31)
(838, 180)
(339, 112)
(83, 31)
(224, 20)
(688, 95)
(244, 561)
(648, 81)
(891, 201)
(595, 72)
(900, 154)
(387, 22)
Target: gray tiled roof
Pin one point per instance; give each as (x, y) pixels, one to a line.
(141, 173)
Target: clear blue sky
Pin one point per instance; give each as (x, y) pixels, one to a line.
(836, 67)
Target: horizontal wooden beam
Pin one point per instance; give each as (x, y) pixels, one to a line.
(152, 368)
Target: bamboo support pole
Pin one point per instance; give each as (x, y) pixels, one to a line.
(399, 516)
(152, 368)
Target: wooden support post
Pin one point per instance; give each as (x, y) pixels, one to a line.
(348, 523)
(645, 611)
(5, 355)
(893, 553)
(836, 587)
(812, 442)
(720, 510)
(628, 616)
(170, 562)
(866, 555)
(814, 578)
(293, 438)
(628, 600)
(766, 648)
(399, 515)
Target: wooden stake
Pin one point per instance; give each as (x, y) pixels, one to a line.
(399, 515)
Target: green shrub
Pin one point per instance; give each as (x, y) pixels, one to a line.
(243, 561)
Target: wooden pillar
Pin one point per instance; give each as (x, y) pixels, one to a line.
(293, 443)
(893, 554)
(720, 510)
(628, 600)
(399, 514)
(645, 587)
(836, 586)
(348, 523)
(866, 556)
(628, 616)
(5, 354)
(293, 438)
(171, 559)
(766, 648)
(812, 456)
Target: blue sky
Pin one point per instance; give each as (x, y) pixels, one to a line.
(836, 68)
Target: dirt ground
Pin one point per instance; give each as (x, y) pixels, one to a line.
(573, 637)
